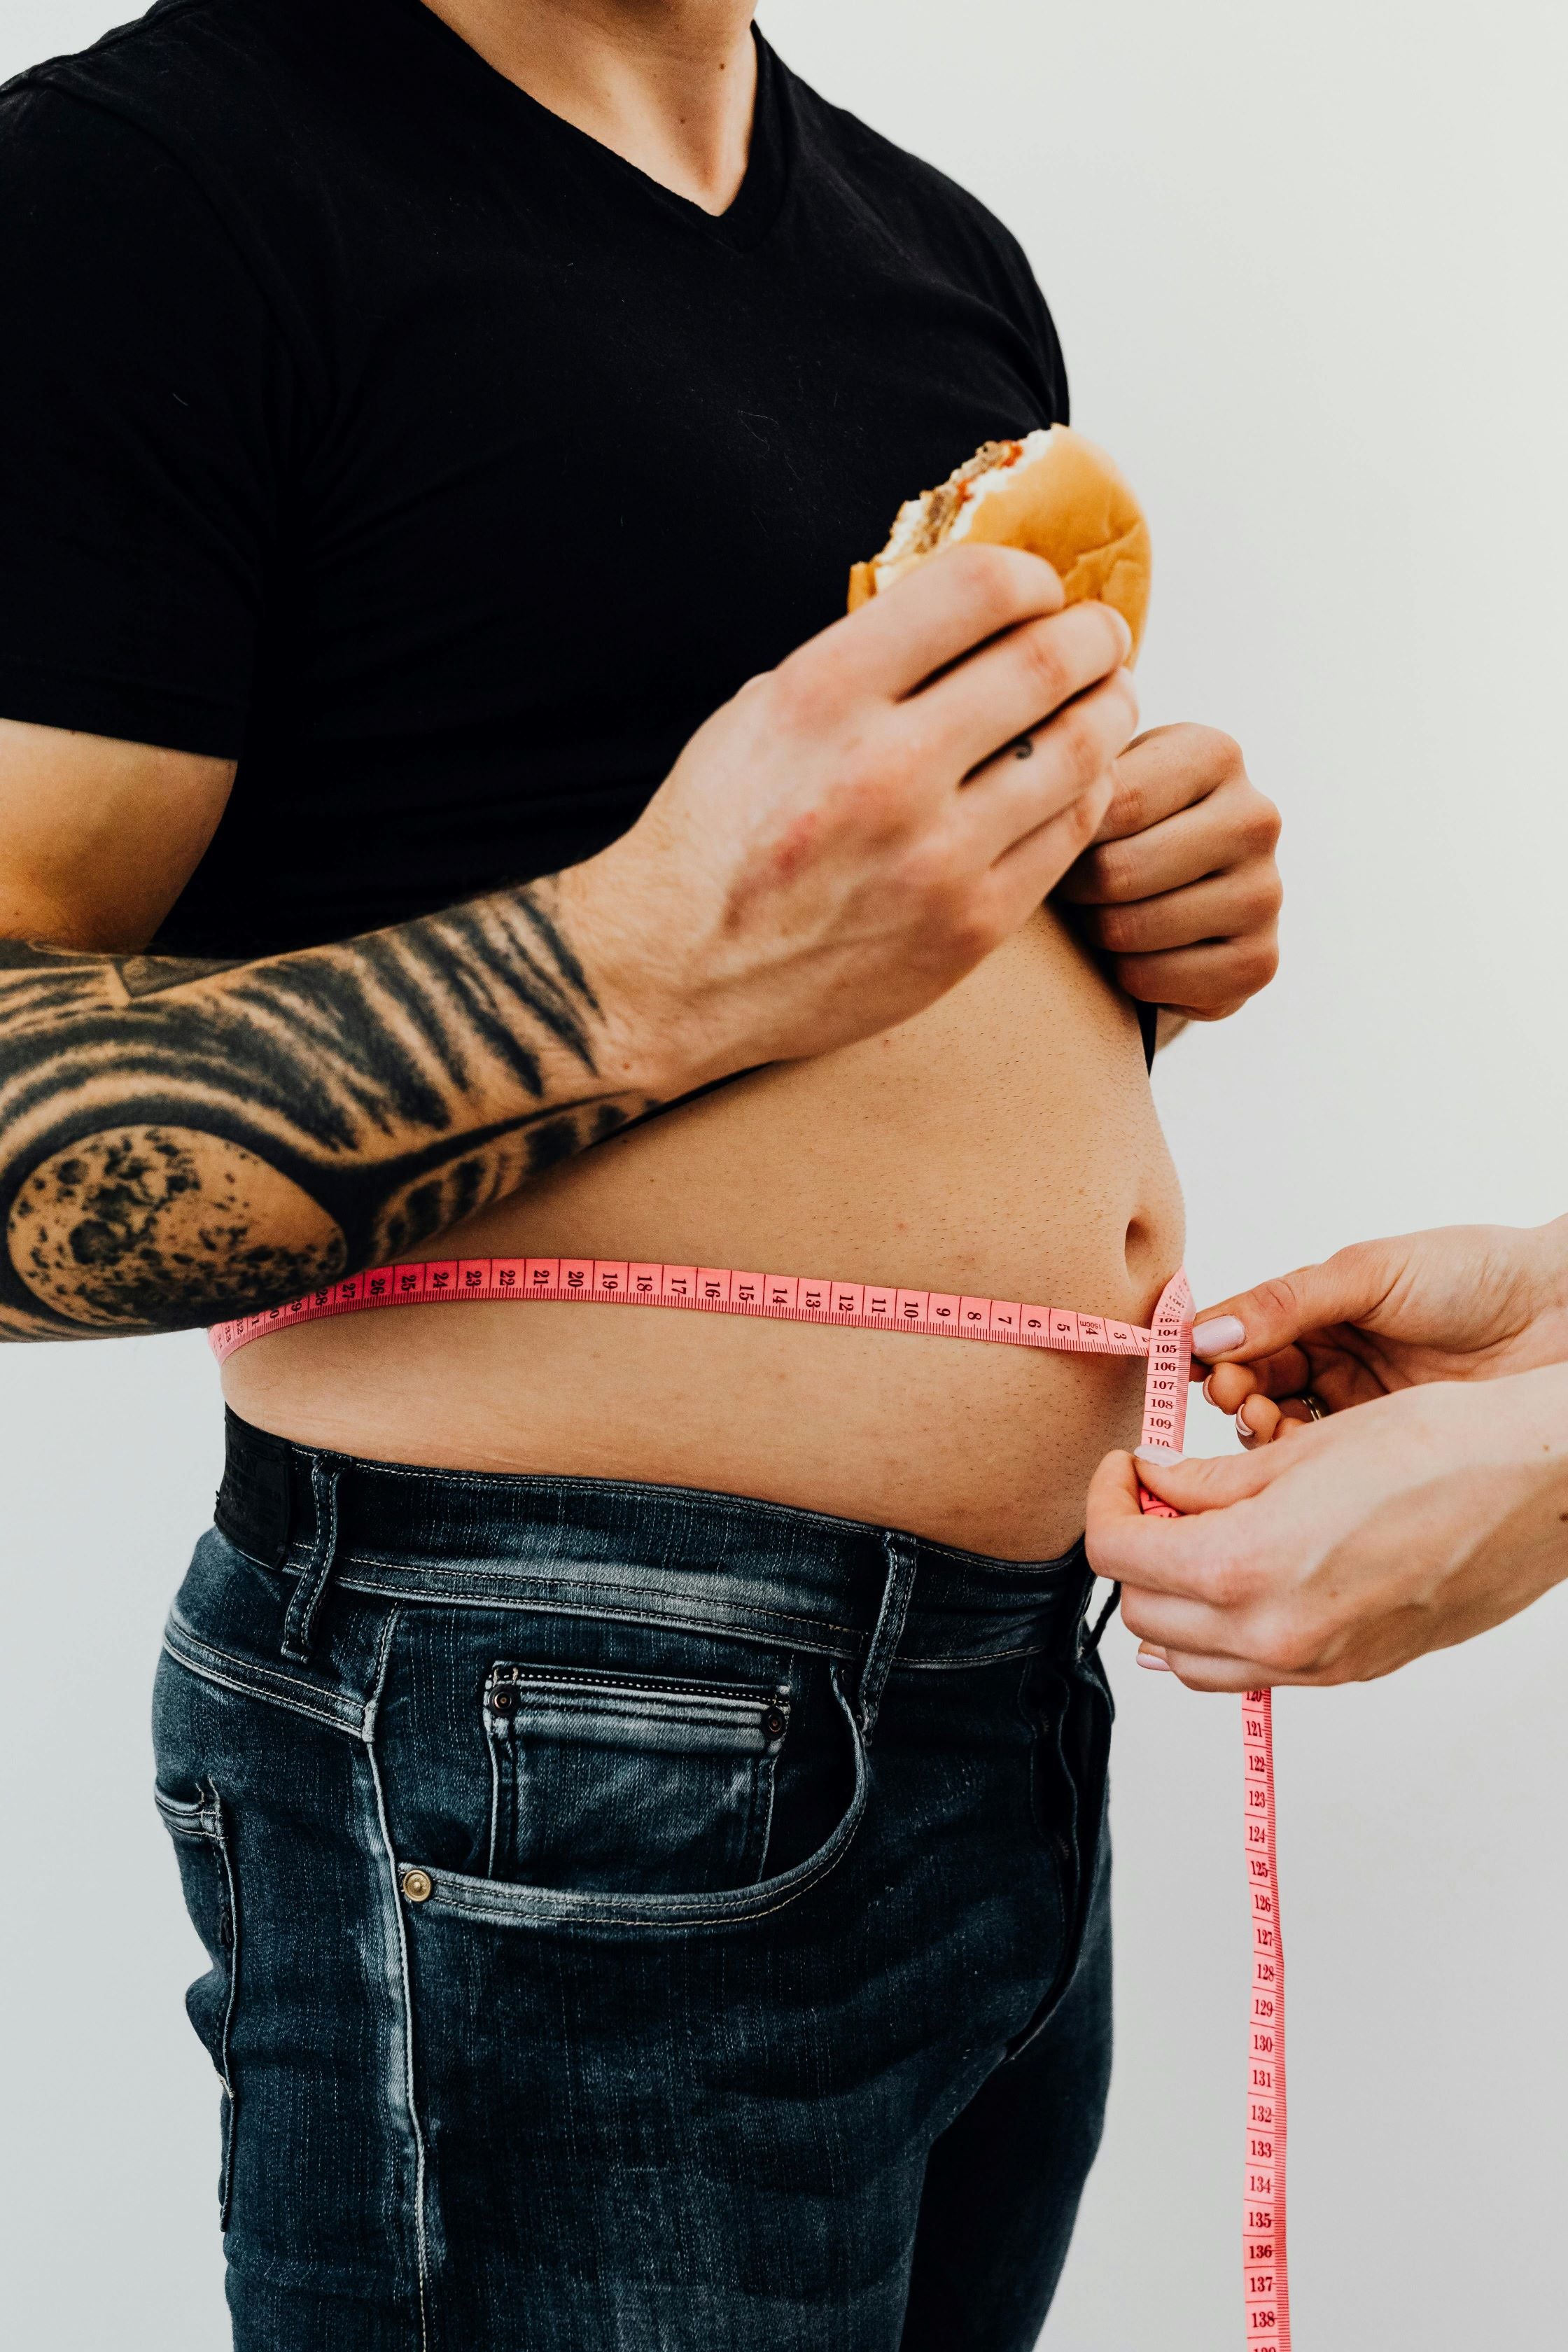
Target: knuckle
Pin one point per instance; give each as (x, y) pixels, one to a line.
(1257, 899)
(1116, 930)
(1223, 752)
(1259, 961)
(996, 584)
(1128, 814)
(1290, 1649)
(1080, 742)
(1261, 823)
(1084, 816)
(1228, 1584)
(1271, 893)
(806, 692)
(1042, 657)
(1280, 1301)
(1114, 868)
(977, 570)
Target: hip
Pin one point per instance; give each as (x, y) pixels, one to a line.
(537, 1830)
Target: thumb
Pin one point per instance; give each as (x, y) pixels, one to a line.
(1212, 1482)
(1348, 1287)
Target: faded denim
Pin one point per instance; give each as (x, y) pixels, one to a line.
(638, 1920)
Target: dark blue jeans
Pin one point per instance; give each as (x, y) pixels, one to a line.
(638, 1920)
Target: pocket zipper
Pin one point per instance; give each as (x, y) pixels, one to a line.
(505, 1684)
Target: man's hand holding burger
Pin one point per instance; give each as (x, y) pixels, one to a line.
(855, 830)
(850, 834)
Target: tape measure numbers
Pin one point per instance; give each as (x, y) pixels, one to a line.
(701, 1289)
(1265, 2271)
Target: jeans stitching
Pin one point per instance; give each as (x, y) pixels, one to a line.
(1076, 1917)
(248, 1689)
(897, 1593)
(183, 1818)
(962, 1659)
(590, 1592)
(955, 1662)
(668, 1927)
(183, 1631)
(596, 1596)
(219, 1843)
(405, 1985)
(300, 1619)
(719, 1913)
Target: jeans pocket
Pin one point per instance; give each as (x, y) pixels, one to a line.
(632, 1784)
(647, 1802)
(199, 1827)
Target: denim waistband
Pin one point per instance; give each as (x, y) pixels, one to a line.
(668, 1555)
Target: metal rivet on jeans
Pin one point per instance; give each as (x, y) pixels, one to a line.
(417, 1886)
(775, 1722)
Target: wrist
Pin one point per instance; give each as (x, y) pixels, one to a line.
(650, 1039)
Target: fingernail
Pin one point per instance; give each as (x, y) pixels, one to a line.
(1162, 1454)
(1154, 1665)
(1219, 1334)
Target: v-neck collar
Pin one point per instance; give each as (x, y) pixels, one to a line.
(757, 203)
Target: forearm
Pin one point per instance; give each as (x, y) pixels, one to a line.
(181, 1141)
(833, 850)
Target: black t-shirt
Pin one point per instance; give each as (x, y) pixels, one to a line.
(362, 420)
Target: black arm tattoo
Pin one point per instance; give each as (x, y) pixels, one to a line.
(185, 1141)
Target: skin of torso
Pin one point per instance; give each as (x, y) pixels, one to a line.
(1002, 1144)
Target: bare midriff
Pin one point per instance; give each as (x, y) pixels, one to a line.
(1002, 1144)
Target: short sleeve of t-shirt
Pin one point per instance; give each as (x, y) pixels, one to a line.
(1017, 290)
(143, 406)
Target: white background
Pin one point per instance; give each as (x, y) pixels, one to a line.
(1307, 263)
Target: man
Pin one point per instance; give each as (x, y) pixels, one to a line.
(1435, 1509)
(430, 751)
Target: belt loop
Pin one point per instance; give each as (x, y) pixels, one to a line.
(317, 1571)
(896, 1593)
(1104, 1618)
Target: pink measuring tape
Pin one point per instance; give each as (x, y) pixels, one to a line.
(1265, 2271)
(939, 1315)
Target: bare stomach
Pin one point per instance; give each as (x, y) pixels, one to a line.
(1002, 1144)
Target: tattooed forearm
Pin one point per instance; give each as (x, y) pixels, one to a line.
(184, 1142)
